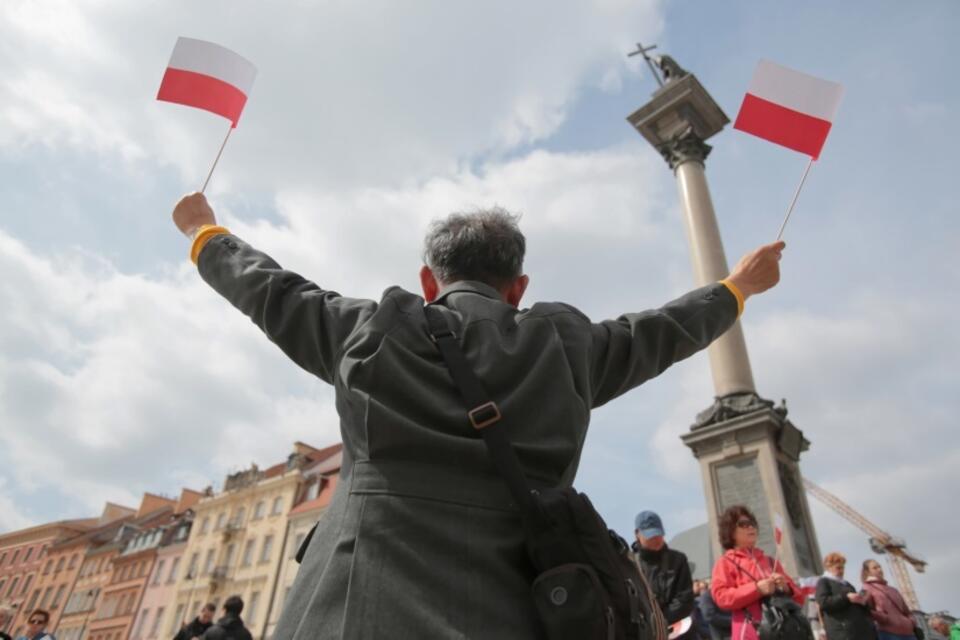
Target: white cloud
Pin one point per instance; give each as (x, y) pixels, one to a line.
(351, 94)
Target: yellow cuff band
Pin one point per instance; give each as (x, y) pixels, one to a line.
(202, 237)
(736, 294)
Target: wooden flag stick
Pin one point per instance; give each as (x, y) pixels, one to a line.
(217, 159)
(795, 196)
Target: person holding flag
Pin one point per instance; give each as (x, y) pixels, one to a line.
(422, 538)
(744, 575)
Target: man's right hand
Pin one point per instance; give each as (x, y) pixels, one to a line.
(759, 270)
(191, 213)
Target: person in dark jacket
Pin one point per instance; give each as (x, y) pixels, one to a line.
(230, 626)
(845, 613)
(667, 570)
(390, 553)
(196, 627)
(717, 619)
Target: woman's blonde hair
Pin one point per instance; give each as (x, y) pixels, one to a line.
(834, 559)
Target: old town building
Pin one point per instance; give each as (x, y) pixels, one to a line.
(23, 556)
(238, 538)
(61, 564)
(319, 481)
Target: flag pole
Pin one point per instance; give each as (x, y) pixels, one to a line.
(795, 196)
(217, 159)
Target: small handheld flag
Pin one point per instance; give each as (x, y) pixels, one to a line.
(792, 109)
(207, 76)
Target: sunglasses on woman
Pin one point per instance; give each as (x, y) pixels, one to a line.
(746, 524)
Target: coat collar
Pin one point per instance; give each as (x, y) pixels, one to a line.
(469, 286)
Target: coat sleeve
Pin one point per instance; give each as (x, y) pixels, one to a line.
(727, 594)
(638, 346)
(681, 604)
(307, 322)
(829, 601)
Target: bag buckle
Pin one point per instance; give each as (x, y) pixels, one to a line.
(485, 415)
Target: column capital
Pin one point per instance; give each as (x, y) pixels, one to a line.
(686, 148)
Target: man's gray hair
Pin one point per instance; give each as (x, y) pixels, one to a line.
(484, 245)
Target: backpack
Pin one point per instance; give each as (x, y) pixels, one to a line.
(588, 586)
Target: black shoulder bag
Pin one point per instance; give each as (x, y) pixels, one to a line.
(780, 617)
(588, 586)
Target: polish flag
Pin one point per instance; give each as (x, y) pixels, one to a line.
(777, 528)
(207, 76)
(789, 108)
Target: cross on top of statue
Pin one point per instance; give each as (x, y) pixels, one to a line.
(669, 68)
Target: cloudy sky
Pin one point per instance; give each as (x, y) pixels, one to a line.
(121, 372)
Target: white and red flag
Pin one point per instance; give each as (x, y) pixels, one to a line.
(789, 108)
(207, 76)
(777, 528)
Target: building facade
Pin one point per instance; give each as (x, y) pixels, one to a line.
(238, 538)
(24, 558)
(319, 482)
(62, 562)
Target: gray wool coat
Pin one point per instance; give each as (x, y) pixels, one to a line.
(421, 540)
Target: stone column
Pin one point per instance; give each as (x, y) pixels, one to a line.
(749, 452)
(729, 363)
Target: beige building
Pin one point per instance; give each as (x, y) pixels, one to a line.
(238, 539)
(319, 481)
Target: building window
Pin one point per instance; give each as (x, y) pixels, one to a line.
(174, 565)
(296, 544)
(47, 567)
(247, 559)
(3, 556)
(3, 581)
(156, 575)
(156, 623)
(138, 628)
(228, 559)
(13, 586)
(266, 549)
(208, 563)
(277, 506)
(239, 516)
(73, 561)
(221, 520)
(259, 509)
(16, 554)
(177, 617)
(26, 584)
(251, 608)
(59, 565)
(45, 598)
(57, 598)
(205, 524)
(33, 600)
(144, 567)
(192, 567)
(26, 556)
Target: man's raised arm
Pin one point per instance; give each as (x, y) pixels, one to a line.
(638, 346)
(308, 323)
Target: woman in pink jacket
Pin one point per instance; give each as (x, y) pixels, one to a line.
(744, 575)
(888, 608)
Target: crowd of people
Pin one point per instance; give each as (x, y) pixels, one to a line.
(745, 581)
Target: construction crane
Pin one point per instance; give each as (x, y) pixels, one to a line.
(895, 549)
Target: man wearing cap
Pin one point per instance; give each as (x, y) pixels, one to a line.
(666, 570)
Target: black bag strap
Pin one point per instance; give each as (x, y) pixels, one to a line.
(484, 414)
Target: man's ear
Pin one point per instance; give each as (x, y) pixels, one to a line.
(429, 284)
(516, 289)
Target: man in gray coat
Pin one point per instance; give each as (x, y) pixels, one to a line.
(422, 539)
